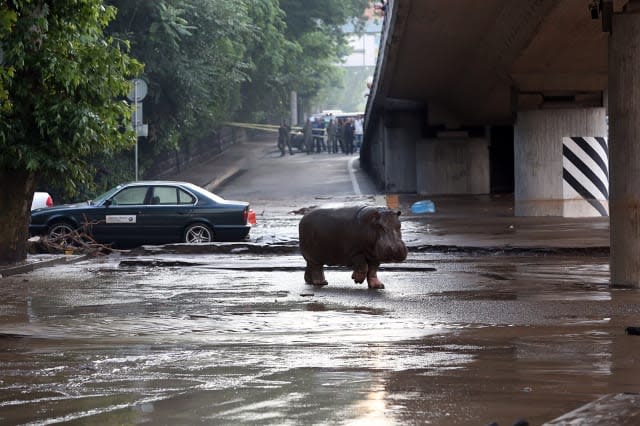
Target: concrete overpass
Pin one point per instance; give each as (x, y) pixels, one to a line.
(536, 97)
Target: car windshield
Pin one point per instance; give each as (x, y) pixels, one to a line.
(101, 198)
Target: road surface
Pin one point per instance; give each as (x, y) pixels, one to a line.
(231, 334)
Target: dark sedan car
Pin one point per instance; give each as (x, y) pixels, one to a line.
(148, 212)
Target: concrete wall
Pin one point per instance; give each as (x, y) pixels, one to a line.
(538, 156)
(400, 161)
(372, 153)
(402, 130)
(453, 166)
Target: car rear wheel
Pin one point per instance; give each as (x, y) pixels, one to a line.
(198, 233)
(62, 234)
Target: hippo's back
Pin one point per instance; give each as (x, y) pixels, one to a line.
(329, 235)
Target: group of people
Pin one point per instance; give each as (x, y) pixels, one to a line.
(338, 134)
(335, 135)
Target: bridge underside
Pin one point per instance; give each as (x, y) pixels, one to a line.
(474, 63)
(539, 98)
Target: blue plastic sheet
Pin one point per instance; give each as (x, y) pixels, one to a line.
(423, 206)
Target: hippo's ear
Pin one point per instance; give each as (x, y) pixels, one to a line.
(371, 216)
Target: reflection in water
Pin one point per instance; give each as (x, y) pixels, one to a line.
(372, 409)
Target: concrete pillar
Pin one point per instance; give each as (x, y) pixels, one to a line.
(453, 166)
(402, 130)
(538, 155)
(624, 124)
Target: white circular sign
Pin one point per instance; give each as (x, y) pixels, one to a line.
(138, 90)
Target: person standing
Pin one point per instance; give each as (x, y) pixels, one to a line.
(348, 137)
(323, 135)
(308, 137)
(358, 129)
(317, 132)
(283, 138)
(340, 133)
(331, 137)
(287, 138)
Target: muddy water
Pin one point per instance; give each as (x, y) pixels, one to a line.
(242, 340)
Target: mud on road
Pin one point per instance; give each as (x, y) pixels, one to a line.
(240, 339)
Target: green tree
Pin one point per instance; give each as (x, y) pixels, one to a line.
(265, 91)
(63, 86)
(7, 20)
(315, 45)
(194, 55)
(211, 61)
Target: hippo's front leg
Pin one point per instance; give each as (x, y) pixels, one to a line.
(314, 274)
(372, 276)
(360, 269)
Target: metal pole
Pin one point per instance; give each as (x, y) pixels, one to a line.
(135, 120)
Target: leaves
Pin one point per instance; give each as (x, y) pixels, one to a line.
(170, 27)
(64, 94)
(208, 61)
(195, 60)
(304, 43)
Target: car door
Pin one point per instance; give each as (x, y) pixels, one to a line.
(169, 210)
(120, 217)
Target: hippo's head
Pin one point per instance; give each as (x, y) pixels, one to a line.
(384, 224)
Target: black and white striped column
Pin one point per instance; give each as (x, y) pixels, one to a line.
(585, 173)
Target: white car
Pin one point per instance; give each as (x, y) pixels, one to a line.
(41, 199)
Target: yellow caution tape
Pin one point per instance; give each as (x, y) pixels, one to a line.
(256, 126)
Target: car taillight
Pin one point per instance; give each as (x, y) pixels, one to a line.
(49, 201)
(249, 216)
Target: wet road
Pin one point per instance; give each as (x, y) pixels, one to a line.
(456, 338)
(184, 339)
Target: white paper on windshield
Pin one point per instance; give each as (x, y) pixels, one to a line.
(121, 218)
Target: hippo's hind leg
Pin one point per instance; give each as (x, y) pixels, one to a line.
(359, 269)
(372, 276)
(314, 274)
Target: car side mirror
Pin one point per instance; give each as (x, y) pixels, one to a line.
(107, 203)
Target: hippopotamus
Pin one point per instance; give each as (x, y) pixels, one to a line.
(358, 237)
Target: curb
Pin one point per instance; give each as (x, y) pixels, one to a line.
(219, 180)
(31, 266)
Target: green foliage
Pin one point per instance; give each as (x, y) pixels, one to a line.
(328, 16)
(195, 61)
(7, 20)
(266, 90)
(170, 26)
(64, 84)
(207, 61)
(316, 45)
